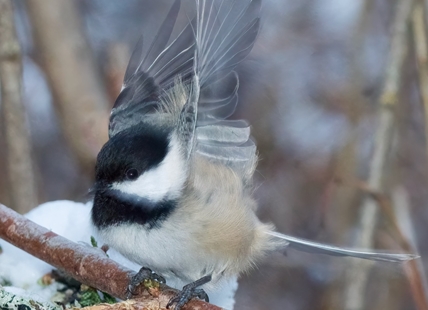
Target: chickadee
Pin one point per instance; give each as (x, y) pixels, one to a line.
(173, 188)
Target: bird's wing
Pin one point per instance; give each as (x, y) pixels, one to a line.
(320, 248)
(199, 62)
(152, 71)
(225, 33)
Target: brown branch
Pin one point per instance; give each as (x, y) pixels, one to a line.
(400, 213)
(87, 265)
(359, 271)
(22, 185)
(412, 270)
(420, 42)
(67, 59)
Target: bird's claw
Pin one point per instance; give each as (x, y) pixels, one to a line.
(188, 292)
(142, 275)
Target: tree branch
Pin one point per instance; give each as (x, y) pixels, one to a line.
(87, 265)
(22, 185)
(359, 270)
(420, 43)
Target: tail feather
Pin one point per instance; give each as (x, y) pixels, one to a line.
(319, 248)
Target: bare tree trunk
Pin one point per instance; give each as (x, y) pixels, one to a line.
(22, 185)
(66, 57)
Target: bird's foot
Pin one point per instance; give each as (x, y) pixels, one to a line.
(188, 292)
(143, 275)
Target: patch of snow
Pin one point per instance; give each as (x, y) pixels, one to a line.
(16, 298)
(72, 221)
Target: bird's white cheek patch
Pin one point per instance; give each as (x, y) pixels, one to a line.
(162, 182)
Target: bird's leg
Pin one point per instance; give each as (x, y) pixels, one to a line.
(190, 291)
(142, 275)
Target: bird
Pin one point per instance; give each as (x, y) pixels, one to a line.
(173, 188)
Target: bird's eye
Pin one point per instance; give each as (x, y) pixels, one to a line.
(132, 174)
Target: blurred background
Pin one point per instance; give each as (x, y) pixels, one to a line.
(336, 92)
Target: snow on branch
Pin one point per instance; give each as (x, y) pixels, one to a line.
(84, 263)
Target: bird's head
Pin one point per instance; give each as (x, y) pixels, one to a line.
(138, 171)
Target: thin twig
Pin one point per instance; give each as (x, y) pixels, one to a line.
(412, 269)
(420, 42)
(400, 210)
(23, 190)
(86, 264)
(359, 271)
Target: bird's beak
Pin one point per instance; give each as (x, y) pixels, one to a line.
(97, 187)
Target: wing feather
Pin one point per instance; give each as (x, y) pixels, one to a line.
(222, 134)
(225, 34)
(205, 53)
(150, 74)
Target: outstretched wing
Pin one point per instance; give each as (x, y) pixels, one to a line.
(152, 71)
(225, 34)
(198, 62)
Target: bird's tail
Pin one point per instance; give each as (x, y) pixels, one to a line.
(319, 248)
